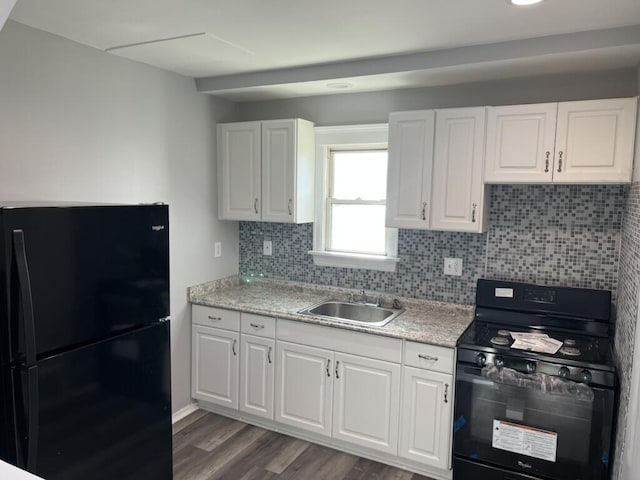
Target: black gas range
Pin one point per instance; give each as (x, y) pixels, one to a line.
(535, 385)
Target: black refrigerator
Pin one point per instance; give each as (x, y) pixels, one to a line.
(85, 380)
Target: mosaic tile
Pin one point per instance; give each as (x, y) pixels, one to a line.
(627, 311)
(548, 234)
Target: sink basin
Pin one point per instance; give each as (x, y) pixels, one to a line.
(359, 313)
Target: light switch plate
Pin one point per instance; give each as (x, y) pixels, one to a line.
(267, 247)
(453, 266)
(217, 249)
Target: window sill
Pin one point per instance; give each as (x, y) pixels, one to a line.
(354, 260)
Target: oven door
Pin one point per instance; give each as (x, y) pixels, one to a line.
(529, 430)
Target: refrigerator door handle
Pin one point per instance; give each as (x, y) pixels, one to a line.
(20, 254)
(33, 409)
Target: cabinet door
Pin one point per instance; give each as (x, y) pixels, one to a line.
(594, 141)
(239, 171)
(409, 169)
(366, 402)
(304, 387)
(520, 143)
(425, 433)
(215, 366)
(278, 170)
(256, 378)
(458, 188)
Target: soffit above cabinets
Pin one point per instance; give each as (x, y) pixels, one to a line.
(280, 48)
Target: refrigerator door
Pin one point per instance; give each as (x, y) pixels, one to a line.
(93, 272)
(102, 411)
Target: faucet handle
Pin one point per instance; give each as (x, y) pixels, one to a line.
(351, 297)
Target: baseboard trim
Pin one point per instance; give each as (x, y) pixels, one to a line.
(183, 412)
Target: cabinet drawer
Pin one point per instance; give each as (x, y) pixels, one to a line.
(339, 340)
(215, 317)
(258, 325)
(430, 357)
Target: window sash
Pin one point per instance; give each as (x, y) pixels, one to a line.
(330, 201)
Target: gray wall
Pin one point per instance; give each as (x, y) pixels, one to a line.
(354, 108)
(78, 124)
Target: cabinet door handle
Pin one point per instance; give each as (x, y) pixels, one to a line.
(269, 356)
(337, 365)
(473, 213)
(446, 393)
(427, 357)
(255, 205)
(289, 207)
(328, 367)
(560, 162)
(214, 319)
(424, 210)
(257, 326)
(233, 347)
(546, 162)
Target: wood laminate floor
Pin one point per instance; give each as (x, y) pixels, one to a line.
(207, 446)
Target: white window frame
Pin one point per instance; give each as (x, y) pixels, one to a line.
(345, 138)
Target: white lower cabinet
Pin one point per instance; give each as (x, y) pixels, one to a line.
(304, 387)
(257, 375)
(215, 365)
(425, 434)
(366, 402)
(389, 400)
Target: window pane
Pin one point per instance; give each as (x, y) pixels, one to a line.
(358, 228)
(360, 174)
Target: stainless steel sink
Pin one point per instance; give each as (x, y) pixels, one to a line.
(358, 313)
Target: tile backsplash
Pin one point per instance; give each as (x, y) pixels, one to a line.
(548, 234)
(627, 313)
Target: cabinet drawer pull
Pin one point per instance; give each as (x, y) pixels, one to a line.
(328, 367)
(269, 356)
(546, 162)
(233, 348)
(257, 326)
(255, 205)
(337, 365)
(427, 357)
(473, 213)
(560, 162)
(214, 319)
(289, 205)
(446, 393)
(424, 210)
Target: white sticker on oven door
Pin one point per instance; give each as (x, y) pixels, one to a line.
(525, 440)
(504, 292)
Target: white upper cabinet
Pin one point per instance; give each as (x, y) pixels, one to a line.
(458, 190)
(594, 141)
(266, 170)
(409, 169)
(239, 165)
(588, 141)
(435, 169)
(520, 143)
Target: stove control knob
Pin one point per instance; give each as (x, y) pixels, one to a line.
(531, 367)
(585, 376)
(498, 362)
(564, 372)
(481, 359)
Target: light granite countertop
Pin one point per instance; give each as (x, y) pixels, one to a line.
(423, 321)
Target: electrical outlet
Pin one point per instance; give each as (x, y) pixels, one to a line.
(267, 247)
(453, 266)
(217, 249)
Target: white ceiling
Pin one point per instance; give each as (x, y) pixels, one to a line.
(256, 49)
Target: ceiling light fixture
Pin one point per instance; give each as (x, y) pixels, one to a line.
(523, 3)
(339, 85)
